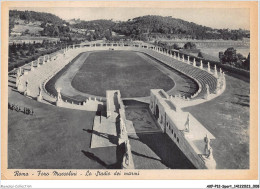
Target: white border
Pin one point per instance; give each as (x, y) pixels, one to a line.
(124, 183)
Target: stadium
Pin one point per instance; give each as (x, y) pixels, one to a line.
(131, 105)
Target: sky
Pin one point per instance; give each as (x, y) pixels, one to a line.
(232, 18)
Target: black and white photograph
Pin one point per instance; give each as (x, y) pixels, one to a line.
(128, 88)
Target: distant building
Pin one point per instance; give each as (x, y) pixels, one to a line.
(49, 24)
(113, 33)
(15, 34)
(32, 40)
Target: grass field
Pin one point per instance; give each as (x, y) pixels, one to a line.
(54, 138)
(119, 70)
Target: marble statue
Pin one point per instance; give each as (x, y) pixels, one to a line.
(17, 81)
(39, 97)
(32, 66)
(207, 148)
(207, 91)
(59, 99)
(26, 92)
(187, 124)
(216, 71)
(127, 162)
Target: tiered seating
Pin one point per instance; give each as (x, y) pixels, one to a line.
(44, 72)
(202, 76)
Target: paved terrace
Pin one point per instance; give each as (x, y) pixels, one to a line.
(106, 127)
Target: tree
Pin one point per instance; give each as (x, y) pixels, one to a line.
(108, 34)
(26, 31)
(190, 45)
(230, 56)
(143, 37)
(22, 53)
(24, 47)
(247, 62)
(241, 57)
(55, 31)
(31, 49)
(12, 48)
(175, 46)
(11, 24)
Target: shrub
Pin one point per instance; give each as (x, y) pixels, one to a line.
(190, 45)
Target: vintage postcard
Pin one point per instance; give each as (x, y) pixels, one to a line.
(129, 90)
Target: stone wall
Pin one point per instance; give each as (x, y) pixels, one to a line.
(178, 138)
(170, 124)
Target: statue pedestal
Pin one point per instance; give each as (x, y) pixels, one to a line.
(20, 88)
(217, 91)
(59, 103)
(121, 140)
(127, 162)
(210, 162)
(39, 98)
(216, 74)
(108, 114)
(26, 92)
